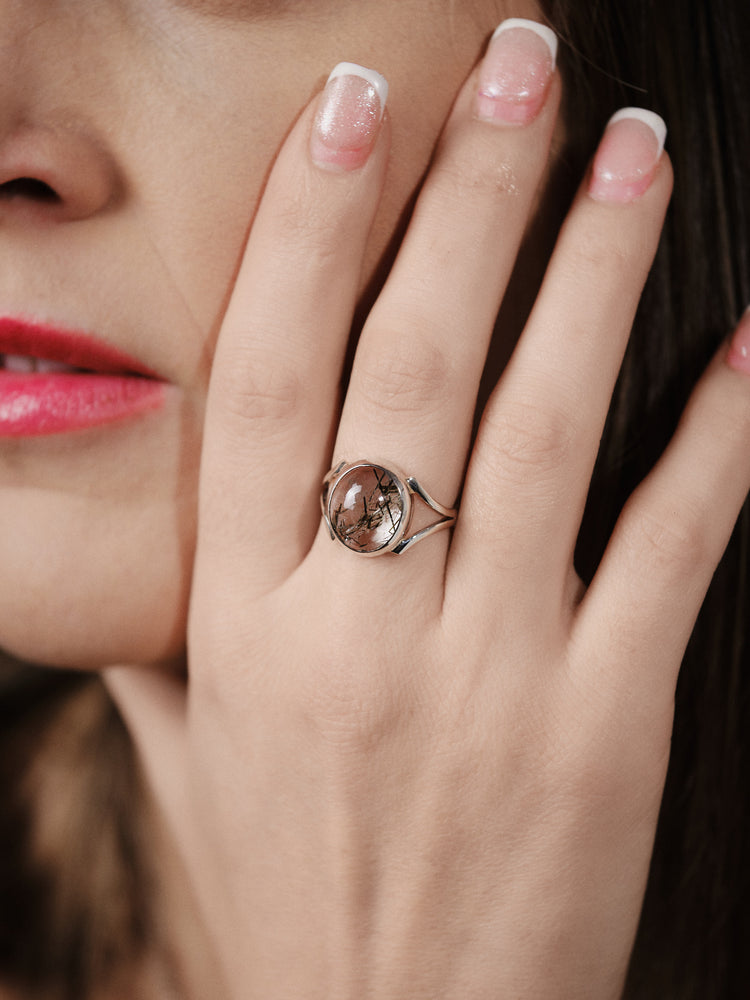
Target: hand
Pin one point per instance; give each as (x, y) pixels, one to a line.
(435, 775)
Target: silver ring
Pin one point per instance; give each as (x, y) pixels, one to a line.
(368, 508)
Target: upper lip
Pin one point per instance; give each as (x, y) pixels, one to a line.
(49, 342)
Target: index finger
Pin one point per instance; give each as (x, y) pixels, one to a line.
(273, 391)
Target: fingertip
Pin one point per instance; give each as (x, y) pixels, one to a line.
(516, 73)
(738, 355)
(348, 118)
(629, 156)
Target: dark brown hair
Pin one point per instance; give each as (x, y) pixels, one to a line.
(687, 60)
(73, 878)
(74, 885)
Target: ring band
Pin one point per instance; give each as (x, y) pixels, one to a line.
(368, 508)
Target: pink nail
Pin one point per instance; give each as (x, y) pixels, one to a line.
(516, 71)
(628, 153)
(739, 348)
(348, 117)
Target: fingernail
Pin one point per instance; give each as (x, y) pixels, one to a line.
(739, 348)
(348, 117)
(515, 73)
(627, 156)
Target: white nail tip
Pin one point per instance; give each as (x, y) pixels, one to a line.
(375, 79)
(546, 34)
(655, 122)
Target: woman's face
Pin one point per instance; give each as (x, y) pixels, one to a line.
(155, 122)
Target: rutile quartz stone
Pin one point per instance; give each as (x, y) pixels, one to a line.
(366, 508)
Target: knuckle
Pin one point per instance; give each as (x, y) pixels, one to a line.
(308, 225)
(348, 706)
(525, 437)
(411, 375)
(593, 776)
(599, 252)
(352, 694)
(615, 763)
(725, 416)
(264, 395)
(481, 178)
(674, 539)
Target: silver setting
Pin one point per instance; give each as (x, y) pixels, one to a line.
(380, 526)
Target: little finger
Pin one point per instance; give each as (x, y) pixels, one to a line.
(646, 594)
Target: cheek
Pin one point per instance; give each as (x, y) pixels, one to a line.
(104, 606)
(105, 538)
(201, 188)
(96, 565)
(425, 62)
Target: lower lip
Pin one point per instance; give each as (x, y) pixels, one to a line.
(37, 404)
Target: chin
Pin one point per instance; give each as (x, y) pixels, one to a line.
(97, 545)
(94, 643)
(83, 589)
(86, 632)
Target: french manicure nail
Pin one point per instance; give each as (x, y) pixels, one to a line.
(628, 153)
(348, 117)
(739, 347)
(516, 71)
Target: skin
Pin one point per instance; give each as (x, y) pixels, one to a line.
(434, 776)
(173, 206)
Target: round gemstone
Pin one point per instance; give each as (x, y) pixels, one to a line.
(365, 508)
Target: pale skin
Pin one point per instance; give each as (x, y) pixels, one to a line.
(435, 775)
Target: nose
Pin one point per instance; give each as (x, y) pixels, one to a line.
(54, 163)
(53, 172)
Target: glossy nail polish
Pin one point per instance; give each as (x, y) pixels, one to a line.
(348, 117)
(516, 71)
(628, 153)
(739, 348)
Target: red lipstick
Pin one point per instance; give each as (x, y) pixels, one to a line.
(54, 380)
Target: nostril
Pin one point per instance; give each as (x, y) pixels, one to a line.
(54, 173)
(28, 188)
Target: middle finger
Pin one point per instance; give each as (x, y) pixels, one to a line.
(412, 395)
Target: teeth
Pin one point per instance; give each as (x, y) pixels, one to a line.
(53, 367)
(21, 364)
